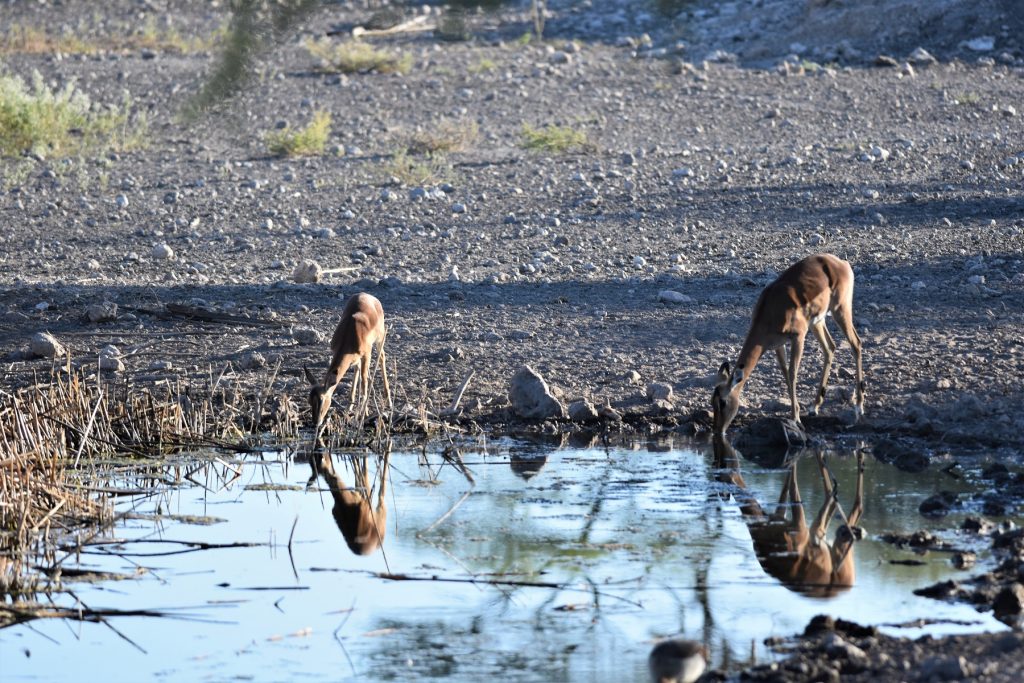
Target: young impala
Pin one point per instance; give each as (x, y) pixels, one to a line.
(798, 301)
(361, 326)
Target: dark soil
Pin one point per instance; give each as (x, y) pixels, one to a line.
(703, 177)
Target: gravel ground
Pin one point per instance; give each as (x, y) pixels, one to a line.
(713, 163)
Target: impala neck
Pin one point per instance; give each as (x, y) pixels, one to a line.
(749, 355)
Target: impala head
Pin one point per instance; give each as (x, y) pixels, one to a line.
(319, 403)
(725, 400)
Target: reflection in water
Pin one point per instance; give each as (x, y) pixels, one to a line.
(798, 555)
(362, 524)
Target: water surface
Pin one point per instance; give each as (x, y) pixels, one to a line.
(640, 543)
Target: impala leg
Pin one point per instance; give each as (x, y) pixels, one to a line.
(364, 368)
(844, 316)
(828, 347)
(780, 353)
(355, 386)
(795, 354)
(384, 374)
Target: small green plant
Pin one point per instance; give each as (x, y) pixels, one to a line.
(554, 139)
(355, 56)
(307, 141)
(446, 136)
(967, 98)
(485, 65)
(525, 39)
(418, 171)
(62, 122)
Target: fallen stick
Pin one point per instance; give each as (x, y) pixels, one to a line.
(454, 405)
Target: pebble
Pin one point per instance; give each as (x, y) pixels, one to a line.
(102, 313)
(308, 336)
(163, 252)
(252, 360)
(121, 201)
(659, 391)
(325, 233)
(639, 262)
(307, 271)
(671, 296)
(684, 172)
(45, 345)
(582, 411)
(921, 57)
(943, 669)
(458, 208)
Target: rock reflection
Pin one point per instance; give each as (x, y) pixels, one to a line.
(362, 523)
(797, 554)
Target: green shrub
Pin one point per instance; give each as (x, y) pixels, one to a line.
(61, 122)
(307, 141)
(554, 139)
(355, 56)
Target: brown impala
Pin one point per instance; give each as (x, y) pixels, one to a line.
(798, 301)
(361, 326)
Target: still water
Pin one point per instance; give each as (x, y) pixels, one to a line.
(550, 565)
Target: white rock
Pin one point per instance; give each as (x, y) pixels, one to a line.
(639, 262)
(659, 391)
(684, 172)
(981, 44)
(163, 251)
(45, 345)
(307, 271)
(671, 296)
(582, 411)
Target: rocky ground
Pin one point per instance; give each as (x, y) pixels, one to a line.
(725, 141)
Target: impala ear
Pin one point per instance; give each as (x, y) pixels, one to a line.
(723, 373)
(309, 376)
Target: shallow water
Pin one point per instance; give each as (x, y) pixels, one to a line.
(644, 543)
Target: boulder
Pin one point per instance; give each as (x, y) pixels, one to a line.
(531, 397)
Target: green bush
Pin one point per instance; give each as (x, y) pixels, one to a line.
(554, 139)
(307, 141)
(355, 56)
(61, 122)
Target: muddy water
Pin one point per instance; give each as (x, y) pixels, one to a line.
(630, 544)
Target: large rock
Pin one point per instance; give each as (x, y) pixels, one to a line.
(582, 411)
(531, 398)
(45, 345)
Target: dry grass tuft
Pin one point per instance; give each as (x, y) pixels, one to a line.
(555, 139)
(447, 136)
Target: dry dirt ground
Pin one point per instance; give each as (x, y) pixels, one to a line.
(713, 162)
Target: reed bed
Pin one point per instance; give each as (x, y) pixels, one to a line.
(53, 433)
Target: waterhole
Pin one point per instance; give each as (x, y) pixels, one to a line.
(512, 561)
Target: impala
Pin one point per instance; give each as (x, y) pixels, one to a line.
(798, 301)
(361, 326)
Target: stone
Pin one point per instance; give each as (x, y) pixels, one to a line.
(1009, 602)
(939, 668)
(582, 411)
(163, 252)
(921, 57)
(659, 391)
(102, 313)
(981, 44)
(252, 360)
(45, 345)
(939, 504)
(671, 296)
(531, 398)
(308, 336)
(559, 57)
(307, 271)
